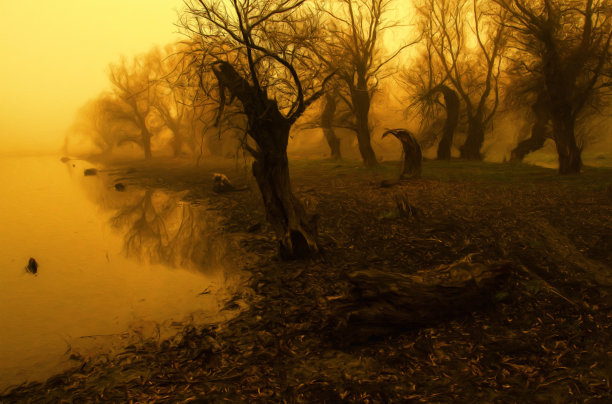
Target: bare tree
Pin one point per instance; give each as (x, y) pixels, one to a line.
(132, 84)
(171, 93)
(259, 52)
(473, 72)
(566, 44)
(424, 81)
(327, 123)
(101, 123)
(93, 123)
(528, 90)
(353, 48)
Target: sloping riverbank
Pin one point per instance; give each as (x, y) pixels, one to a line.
(547, 337)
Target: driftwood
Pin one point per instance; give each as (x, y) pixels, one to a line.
(381, 302)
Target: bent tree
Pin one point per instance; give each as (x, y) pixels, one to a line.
(473, 72)
(568, 44)
(539, 130)
(353, 48)
(259, 52)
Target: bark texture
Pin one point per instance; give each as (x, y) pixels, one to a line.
(327, 124)
(475, 138)
(539, 132)
(381, 302)
(411, 166)
(295, 230)
(361, 105)
(451, 102)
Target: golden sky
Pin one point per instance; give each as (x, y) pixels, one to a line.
(55, 56)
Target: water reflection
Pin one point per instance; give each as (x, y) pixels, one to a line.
(158, 226)
(87, 293)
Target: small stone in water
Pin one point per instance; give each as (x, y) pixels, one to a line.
(32, 266)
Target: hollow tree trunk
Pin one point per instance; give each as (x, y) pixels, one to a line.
(538, 131)
(361, 106)
(327, 124)
(451, 101)
(475, 137)
(295, 230)
(411, 166)
(570, 161)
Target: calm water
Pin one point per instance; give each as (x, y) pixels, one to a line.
(113, 266)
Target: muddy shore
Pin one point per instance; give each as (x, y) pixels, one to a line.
(546, 338)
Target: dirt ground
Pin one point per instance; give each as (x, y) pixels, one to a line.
(546, 336)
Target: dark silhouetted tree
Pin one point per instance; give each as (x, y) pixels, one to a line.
(566, 44)
(327, 124)
(470, 71)
(132, 83)
(353, 48)
(411, 166)
(261, 55)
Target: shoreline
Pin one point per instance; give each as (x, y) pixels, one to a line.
(530, 345)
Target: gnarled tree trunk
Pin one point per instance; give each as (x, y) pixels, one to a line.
(563, 124)
(475, 138)
(327, 124)
(538, 132)
(361, 105)
(295, 230)
(411, 166)
(570, 161)
(451, 101)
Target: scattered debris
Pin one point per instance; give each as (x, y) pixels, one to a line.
(119, 187)
(544, 336)
(90, 171)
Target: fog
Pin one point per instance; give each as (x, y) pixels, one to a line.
(306, 201)
(55, 56)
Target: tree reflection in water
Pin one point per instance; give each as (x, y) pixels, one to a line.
(161, 228)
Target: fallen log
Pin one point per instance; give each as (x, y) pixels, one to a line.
(380, 302)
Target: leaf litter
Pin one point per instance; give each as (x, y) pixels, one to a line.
(547, 338)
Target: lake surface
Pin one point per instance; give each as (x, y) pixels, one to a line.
(114, 267)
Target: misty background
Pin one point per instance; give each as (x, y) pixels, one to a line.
(56, 56)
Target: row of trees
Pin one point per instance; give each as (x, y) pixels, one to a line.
(153, 96)
(551, 55)
(255, 66)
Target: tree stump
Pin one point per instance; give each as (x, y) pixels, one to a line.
(381, 302)
(411, 167)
